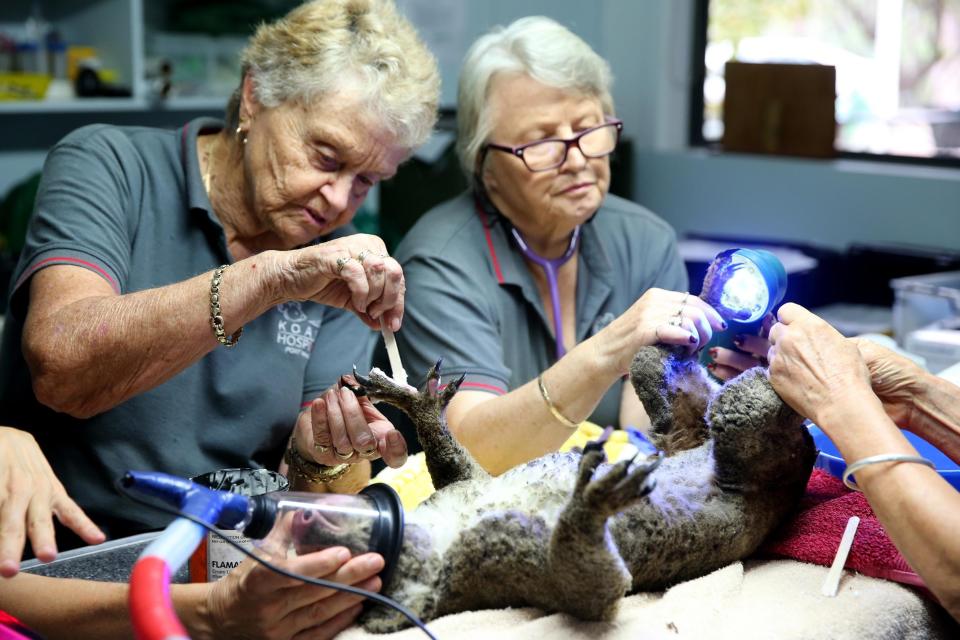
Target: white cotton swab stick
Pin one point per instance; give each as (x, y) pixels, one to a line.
(832, 583)
(396, 367)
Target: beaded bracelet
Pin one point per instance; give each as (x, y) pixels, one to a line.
(216, 320)
(884, 457)
(312, 471)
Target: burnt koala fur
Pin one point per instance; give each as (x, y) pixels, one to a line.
(568, 532)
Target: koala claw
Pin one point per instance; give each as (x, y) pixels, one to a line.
(624, 484)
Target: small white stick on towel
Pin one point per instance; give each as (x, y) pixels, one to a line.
(396, 367)
(832, 583)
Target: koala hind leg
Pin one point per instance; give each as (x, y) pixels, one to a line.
(447, 460)
(586, 573)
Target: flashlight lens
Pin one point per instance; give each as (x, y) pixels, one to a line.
(745, 293)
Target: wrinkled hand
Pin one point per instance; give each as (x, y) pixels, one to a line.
(353, 272)
(812, 366)
(340, 427)
(893, 378)
(751, 352)
(254, 602)
(30, 495)
(660, 316)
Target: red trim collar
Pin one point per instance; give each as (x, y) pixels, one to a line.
(489, 237)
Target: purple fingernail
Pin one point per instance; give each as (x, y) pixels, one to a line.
(723, 325)
(693, 340)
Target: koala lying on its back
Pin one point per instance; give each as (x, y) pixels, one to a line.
(568, 532)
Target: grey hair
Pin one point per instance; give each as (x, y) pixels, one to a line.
(323, 45)
(536, 46)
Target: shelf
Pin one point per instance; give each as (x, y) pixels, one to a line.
(194, 103)
(78, 105)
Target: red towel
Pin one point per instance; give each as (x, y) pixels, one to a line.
(813, 533)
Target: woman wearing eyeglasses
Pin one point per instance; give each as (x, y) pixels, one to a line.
(536, 284)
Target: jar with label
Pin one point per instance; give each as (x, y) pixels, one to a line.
(214, 558)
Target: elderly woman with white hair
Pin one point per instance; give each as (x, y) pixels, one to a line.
(537, 284)
(188, 299)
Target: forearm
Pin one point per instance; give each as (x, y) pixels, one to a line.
(69, 609)
(517, 427)
(921, 514)
(127, 344)
(918, 509)
(936, 415)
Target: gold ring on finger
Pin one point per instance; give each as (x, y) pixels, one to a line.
(321, 449)
(360, 256)
(341, 263)
(343, 456)
(372, 453)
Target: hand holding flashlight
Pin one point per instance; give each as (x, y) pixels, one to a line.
(744, 285)
(658, 317)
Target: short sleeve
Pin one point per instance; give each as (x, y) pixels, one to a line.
(449, 315)
(83, 214)
(343, 342)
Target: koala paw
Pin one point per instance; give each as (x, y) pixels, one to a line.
(622, 485)
(432, 399)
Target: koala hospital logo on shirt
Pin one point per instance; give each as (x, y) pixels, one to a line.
(296, 332)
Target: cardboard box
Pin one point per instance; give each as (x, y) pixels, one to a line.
(784, 109)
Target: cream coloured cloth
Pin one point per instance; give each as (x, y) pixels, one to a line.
(757, 599)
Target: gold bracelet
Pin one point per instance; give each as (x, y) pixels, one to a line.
(312, 471)
(552, 407)
(216, 320)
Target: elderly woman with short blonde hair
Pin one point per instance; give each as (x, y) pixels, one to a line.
(188, 298)
(538, 285)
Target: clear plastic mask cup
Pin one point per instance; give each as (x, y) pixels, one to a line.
(298, 523)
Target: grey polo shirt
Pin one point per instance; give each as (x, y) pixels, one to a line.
(129, 205)
(471, 298)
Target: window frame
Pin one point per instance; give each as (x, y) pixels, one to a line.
(698, 73)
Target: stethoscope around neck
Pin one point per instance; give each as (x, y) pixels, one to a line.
(551, 267)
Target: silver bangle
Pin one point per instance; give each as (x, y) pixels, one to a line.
(552, 407)
(884, 457)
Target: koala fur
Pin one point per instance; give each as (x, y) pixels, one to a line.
(567, 531)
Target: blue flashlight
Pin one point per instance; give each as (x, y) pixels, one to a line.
(743, 285)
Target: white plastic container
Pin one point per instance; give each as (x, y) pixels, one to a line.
(940, 347)
(921, 301)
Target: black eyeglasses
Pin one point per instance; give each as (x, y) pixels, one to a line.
(543, 155)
